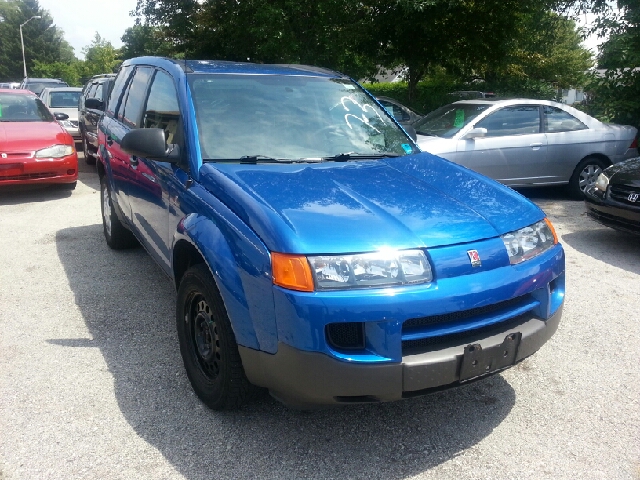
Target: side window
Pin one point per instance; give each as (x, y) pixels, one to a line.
(134, 103)
(557, 120)
(515, 120)
(118, 88)
(394, 110)
(162, 109)
(97, 93)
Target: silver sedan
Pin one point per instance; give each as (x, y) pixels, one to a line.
(526, 142)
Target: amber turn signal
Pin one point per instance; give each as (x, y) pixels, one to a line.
(553, 230)
(292, 272)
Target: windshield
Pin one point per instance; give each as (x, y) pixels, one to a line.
(64, 99)
(23, 108)
(450, 119)
(38, 87)
(290, 117)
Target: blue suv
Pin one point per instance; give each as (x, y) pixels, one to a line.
(315, 250)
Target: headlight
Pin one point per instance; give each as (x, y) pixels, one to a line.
(66, 123)
(339, 272)
(602, 182)
(367, 270)
(57, 151)
(529, 241)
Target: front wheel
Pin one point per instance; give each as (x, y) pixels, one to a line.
(88, 158)
(207, 343)
(585, 175)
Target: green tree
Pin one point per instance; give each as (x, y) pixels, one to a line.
(141, 40)
(615, 96)
(43, 42)
(100, 57)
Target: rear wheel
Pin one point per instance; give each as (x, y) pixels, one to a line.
(585, 175)
(116, 234)
(207, 343)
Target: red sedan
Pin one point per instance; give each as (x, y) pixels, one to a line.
(34, 147)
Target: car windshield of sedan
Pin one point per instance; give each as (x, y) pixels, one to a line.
(64, 99)
(280, 117)
(448, 120)
(23, 108)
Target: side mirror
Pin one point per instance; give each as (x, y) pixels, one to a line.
(475, 133)
(94, 104)
(60, 116)
(150, 143)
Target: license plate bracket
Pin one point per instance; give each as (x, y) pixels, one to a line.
(477, 361)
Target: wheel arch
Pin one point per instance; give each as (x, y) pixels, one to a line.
(198, 240)
(599, 156)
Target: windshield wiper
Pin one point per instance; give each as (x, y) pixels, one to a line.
(345, 157)
(252, 159)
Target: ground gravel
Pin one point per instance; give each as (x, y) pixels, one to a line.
(92, 384)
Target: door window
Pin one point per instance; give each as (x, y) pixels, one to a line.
(162, 109)
(557, 120)
(514, 120)
(134, 103)
(118, 89)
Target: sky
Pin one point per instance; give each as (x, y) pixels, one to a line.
(80, 19)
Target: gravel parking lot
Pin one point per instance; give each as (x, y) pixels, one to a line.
(92, 384)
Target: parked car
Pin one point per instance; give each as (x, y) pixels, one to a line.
(34, 147)
(36, 85)
(524, 143)
(403, 114)
(90, 110)
(64, 100)
(471, 94)
(614, 200)
(315, 251)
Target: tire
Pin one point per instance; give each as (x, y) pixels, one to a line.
(90, 159)
(116, 234)
(585, 175)
(207, 343)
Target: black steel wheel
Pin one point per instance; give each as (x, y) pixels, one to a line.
(207, 343)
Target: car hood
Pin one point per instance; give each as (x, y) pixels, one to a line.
(625, 173)
(31, 136)
(406, 202)
(436, 145)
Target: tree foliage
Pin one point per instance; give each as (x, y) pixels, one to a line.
(43, 42)
(615, 96)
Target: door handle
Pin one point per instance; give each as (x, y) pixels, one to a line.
(133, 160)
(109, 140)
(535, 146)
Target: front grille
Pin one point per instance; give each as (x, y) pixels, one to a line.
(28, 176)
(461, 315)
(346, 336)
(74, 123)
(621, 193)
(422, 333)
(415, 346)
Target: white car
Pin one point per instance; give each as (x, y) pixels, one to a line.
(524, 143)
(64, 100)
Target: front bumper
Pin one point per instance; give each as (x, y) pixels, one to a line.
(302, 379)
(24, 171)
(612, 214)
